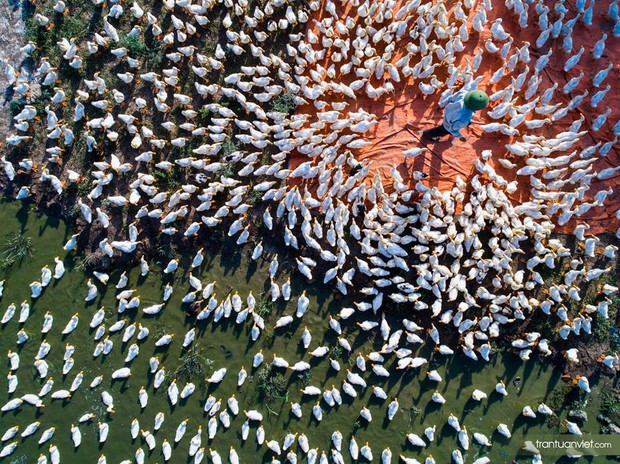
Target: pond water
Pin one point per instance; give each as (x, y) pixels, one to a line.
(229, 345)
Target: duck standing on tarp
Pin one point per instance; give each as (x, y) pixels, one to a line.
(458, 114)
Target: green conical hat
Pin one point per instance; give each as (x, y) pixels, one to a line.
(476, 100)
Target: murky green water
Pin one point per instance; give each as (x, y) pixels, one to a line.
(230, 346)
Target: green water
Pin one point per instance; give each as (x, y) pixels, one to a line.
(230, 346)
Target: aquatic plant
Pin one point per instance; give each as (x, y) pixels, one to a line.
(16, 248)
(303, 379)
(193, 365)
(160, 329)
(413, 412)
(271, 385)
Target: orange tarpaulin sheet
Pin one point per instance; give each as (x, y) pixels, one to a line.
(403, 114)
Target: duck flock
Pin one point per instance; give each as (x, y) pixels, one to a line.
(467, 262)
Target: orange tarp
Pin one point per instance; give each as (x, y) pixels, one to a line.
(405, 113)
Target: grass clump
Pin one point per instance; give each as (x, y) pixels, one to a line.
(337, 351)
(412, 414)
(167, 180)
(74, 211)
(74, 26)
(83, 187)
(134, 44)
(17, 247)
(155, 53)
(43, 100)
(193, 365)
(603, 327)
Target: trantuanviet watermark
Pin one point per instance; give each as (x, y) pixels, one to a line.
(572, 445)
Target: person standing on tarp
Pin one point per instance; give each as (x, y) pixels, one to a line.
(458, 114)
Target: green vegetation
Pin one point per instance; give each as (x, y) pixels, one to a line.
(83, 187)
(88, 262)
(413, 412)
(74, 211)
(165, 249)
(42, 101)
(561, 396)
(270, 384)
(268, 337)
(337, 352)
(610, 404)
(31, 30)
(255, 198)
(194, 365)
(603, 327)
(160, 329)
(134, 44)
(264, 307)
(15, 106)
(166, 180)
(203, 114)
(16, 248)
(74, 26)
(228, 147)
(284, 103)
(154, 54)
(227, 171)
(303, 379)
